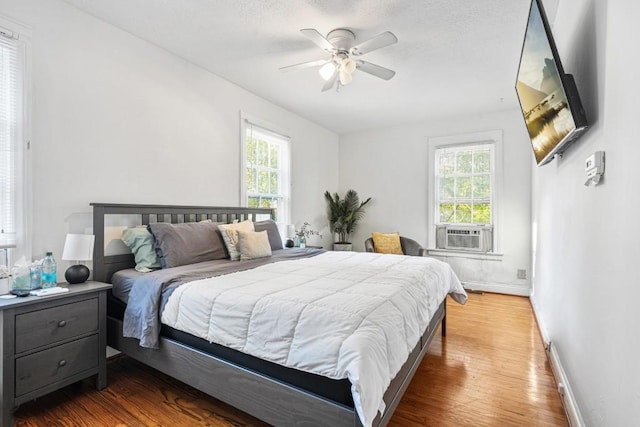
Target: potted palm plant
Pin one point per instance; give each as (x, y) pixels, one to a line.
(344, 215)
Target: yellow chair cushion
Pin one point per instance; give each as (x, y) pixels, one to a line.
(387, 243)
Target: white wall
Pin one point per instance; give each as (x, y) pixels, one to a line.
(390, 165)
(586, 283)
(116, 119)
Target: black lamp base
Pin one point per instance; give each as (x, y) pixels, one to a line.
(76, 274)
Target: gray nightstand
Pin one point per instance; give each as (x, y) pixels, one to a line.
(51, 342)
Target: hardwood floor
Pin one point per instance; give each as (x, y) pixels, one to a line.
(490, 370)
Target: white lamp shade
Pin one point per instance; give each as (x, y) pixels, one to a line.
(78, 247)
(291, 231)
(327, 70)
(348, 65)
(345, 78)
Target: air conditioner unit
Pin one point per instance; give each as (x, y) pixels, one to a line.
(478, 238)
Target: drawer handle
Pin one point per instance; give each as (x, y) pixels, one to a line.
(62, 323)
(62, 363)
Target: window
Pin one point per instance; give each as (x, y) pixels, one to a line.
(265, 175)
(464, 192)
(12, 131)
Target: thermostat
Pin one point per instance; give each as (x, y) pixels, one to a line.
(594, 168)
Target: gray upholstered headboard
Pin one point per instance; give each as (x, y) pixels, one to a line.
(105, 265)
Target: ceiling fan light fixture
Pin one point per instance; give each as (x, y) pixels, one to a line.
(345, 77)
(340, 44)
(348, 65)
(327, 70)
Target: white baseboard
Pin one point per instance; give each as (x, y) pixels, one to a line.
(564, 387)
(498, 288)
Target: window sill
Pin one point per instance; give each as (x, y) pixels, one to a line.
(490, 256)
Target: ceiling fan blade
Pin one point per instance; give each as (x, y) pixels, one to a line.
(375, 70)
(332, 81)
(319, 39)
(302, 65)
(381, 40)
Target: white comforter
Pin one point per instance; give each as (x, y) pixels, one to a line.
(339, 314)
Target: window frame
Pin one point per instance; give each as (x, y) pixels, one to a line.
(284, 211)
(494, 138)
(23, 217)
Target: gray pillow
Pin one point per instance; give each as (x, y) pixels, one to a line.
(187, 243)
(272, 231)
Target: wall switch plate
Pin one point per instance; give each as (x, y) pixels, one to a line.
(522, 274)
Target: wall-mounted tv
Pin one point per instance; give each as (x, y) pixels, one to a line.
(548, 97)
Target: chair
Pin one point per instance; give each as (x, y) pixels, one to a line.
(409, 246)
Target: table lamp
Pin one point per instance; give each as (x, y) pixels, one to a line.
(78, 247)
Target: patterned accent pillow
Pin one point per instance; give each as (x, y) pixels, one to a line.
(387, 243)
(253, 244)
(230, 236)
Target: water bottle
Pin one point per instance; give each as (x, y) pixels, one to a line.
(49, 269)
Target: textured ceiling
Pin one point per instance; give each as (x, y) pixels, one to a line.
(453, 57)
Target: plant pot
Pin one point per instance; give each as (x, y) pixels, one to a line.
(342, 246)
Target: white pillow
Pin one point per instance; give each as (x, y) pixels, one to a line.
(253, 244)
(230, 236)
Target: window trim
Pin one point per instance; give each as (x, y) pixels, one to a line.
(24, 232)
(494, 137)
(285, 217)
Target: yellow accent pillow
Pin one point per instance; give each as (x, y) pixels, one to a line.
(387, 243)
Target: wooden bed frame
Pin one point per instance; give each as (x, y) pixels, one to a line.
(268, 399)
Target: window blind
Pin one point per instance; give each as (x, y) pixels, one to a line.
(11, 68)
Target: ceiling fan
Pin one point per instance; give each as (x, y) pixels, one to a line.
(340, 44)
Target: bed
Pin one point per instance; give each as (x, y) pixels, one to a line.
(280, 395)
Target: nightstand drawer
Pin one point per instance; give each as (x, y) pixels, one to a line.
(46, 367)
(50, 325)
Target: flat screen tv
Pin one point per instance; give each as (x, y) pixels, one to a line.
(548, 97)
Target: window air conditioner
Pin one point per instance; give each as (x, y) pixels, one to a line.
(478, 238)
